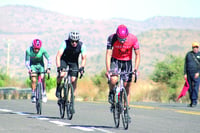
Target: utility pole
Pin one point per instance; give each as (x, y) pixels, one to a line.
(8, 58)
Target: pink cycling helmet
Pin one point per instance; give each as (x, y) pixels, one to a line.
(122, 31)
(37, 43)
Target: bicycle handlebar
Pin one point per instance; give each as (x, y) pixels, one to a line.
(71, 70)
(122, 73)
(40, 73)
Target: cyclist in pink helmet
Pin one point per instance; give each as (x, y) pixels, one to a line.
(35, 63)
(120, 46)
(37, 43)
(122, 31)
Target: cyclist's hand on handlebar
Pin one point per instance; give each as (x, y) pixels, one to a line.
(58, 69)
(136, 74)
(135, 71)
(48, 70)
(81, 70)
(107, 74)
(29, 71)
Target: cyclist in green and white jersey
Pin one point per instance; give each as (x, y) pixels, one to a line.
(35, 63)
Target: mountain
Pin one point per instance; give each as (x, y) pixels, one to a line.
(158, 36)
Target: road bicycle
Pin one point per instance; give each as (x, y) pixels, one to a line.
(38, 91)
(119, 105)
(67, 95)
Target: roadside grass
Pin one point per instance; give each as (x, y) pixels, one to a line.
(143, 91)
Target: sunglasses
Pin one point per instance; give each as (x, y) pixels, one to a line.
(121, 40)
(36, 49)
(72, 41)
(195, 47)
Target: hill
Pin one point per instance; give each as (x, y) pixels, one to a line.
(158, 36)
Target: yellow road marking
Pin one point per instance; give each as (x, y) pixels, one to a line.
(188, 112)
(175, 110)
(143, 107)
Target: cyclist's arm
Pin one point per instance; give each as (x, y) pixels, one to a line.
(109, 52)
(27, 59)
(83, 55)
(136, 47)
(108, 59)
(137, 58)
(60, 53)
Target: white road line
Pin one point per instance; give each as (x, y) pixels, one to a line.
(20, 113)
(83, 128)
(59, 123)
(5, 110)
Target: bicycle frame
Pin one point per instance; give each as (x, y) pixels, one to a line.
(67, 100)
(121, 101)
(39, 90)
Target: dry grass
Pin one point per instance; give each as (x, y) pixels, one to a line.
(143, 90)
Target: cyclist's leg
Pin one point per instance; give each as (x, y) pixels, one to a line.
(114, 68)
(33, 82)
(127, 78)
(127, 86)
(74, 74)
(44, 96)
(60, 77)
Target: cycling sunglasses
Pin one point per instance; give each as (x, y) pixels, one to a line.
(72, 41)
(36, 48)
(195, 47)
(121, 40)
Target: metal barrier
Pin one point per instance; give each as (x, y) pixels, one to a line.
(15, 93)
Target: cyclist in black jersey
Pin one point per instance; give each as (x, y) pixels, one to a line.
(68, 55)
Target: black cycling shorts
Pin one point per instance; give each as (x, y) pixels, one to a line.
(72, 65)
(122, 66)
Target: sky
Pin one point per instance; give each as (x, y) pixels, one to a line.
(138, 10)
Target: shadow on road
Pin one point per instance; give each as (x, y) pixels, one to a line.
(92, 126)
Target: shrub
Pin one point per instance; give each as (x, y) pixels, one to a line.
(50, 83)
(170, 73)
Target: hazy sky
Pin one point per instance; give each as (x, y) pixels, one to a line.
(104, 9)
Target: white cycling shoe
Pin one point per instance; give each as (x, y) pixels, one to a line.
(44, 97)
(33, 100)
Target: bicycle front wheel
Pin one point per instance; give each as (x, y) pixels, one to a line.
(61, 102)
(39, 98)
(125, 113)
(70, 101)
(116, 112)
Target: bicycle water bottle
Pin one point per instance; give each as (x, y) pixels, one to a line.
(117, 94)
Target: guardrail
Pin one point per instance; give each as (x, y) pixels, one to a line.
(15, 93)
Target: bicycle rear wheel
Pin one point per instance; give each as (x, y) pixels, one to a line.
(116, 112)
(125, 113)
(61, 102)
(70, 102)
(39, 98)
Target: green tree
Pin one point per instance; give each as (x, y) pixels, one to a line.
(101, 82)
(169, 72)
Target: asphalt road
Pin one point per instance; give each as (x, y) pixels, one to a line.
(19, 116)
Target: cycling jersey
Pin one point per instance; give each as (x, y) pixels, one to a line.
(123, 51)
(36, 59)
(70, 56)
(71, 53)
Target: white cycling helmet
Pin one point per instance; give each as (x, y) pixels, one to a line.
(74, 36)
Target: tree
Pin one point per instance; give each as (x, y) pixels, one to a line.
(169, 72)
